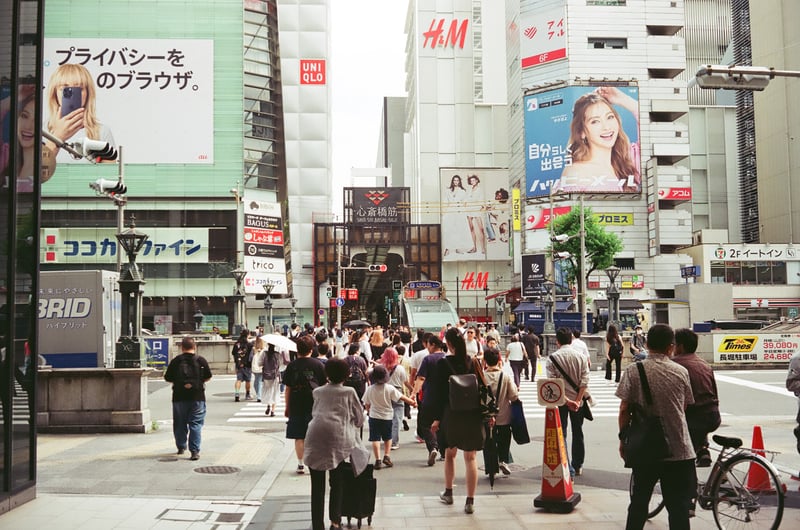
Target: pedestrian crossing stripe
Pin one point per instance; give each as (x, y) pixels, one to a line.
(602, 391)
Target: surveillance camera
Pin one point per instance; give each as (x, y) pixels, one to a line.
(560, 238)
(563, 255)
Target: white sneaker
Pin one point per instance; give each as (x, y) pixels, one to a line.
(432, 456)
(504, 468)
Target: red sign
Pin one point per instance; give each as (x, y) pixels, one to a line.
(593, 284)
(266, 237)
(675, 194)
(540, 219)
(474, 282)
(456, 34)
(352, 294)
(312, 71)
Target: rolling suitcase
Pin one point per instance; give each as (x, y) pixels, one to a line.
(359, 492)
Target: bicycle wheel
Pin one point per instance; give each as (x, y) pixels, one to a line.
(656, 499)
(747, 494)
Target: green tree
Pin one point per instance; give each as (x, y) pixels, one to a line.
(601, 246)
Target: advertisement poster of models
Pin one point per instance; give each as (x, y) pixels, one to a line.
(583, 139)
(476, 211)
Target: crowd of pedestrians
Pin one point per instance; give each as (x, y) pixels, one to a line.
(336, 381)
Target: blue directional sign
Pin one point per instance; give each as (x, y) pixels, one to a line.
(339, 302)
(424, 285)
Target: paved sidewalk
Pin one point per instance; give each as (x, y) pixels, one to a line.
(247, 479)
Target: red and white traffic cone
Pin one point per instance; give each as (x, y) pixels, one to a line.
(757, 478)
(557, 495)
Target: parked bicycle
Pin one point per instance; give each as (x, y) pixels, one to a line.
(743, 488)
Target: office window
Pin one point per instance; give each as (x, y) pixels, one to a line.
(608, 43)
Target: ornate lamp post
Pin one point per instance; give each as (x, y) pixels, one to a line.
(613, 295)
(268, 306)
(293, 310)
(130, 351)
(238, 298)
(549, 303)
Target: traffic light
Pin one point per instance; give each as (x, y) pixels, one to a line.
(109, 187)
(377, 268)
(97, 150)
(329, 291)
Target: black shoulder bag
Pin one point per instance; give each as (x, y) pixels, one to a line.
(644, 440)
(585, 410)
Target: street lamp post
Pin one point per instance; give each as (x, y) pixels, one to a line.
(733, 77)
(486, 299)
(268, 306)
(293, 310)
(549, 302)
(130, 352)
(563, 238)
(238, 298)
(613, 295)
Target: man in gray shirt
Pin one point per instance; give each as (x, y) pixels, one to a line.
(575, 367)
(671, 393)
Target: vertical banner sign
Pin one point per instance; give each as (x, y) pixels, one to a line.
(263, 245)
(516, 210)
(533, 269)
(542, 37)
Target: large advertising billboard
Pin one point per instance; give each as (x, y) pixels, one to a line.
(583, 139)
(475, 214)
(758, 347)
(155, 96)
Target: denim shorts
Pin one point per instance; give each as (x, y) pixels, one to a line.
(380, 430)
(244, 374)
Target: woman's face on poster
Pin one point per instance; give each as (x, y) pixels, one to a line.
(455, 181)
(26, 126)
(600, 126)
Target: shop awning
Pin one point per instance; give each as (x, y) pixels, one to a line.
(502, 293)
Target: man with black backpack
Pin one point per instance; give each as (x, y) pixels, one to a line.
(242, 353)
(188, 373)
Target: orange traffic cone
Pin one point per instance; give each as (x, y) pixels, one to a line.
(557, 495)
(757, 477)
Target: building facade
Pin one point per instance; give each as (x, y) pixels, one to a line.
(456, 160)
(558, 53)
(213, 114)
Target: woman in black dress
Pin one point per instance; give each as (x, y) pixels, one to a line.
(462, 429)
(613, 351)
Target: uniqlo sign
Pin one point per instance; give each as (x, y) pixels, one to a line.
(312, 71)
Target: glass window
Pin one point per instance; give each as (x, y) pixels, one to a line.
(764, 272)
(748, 272)
(779, 272)
(717, 272)
(733, 273)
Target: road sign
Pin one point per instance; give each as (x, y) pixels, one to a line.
(397, 285)
(551, 392)
(339, 302)
(424, 285)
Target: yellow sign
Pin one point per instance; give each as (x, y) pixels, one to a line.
(616, 219)
(738, 344)
(516, 210)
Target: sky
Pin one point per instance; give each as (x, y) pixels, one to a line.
(367, 63)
